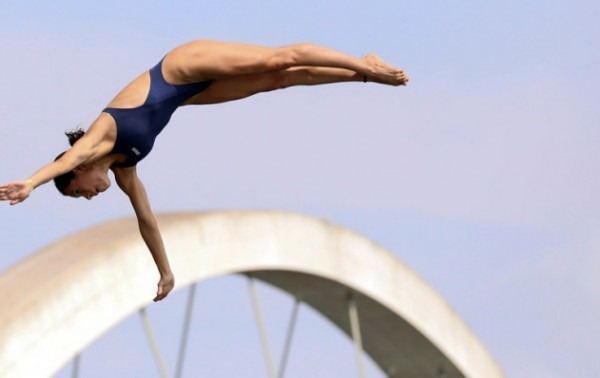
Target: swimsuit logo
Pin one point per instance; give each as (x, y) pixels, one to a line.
(136, 151)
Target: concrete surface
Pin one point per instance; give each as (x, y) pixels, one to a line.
(61, 299)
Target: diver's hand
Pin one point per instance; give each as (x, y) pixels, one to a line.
(15, 192)
(165, 285)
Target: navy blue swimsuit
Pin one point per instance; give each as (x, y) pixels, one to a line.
(137, 128)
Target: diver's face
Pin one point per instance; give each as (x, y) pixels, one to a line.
(87, 184)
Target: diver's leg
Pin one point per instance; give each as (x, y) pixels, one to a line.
(239, 87)
(211, 60)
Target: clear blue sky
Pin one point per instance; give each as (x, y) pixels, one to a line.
(482, 175)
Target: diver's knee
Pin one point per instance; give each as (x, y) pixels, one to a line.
(289, 56)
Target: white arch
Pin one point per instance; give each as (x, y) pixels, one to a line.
(68, 294)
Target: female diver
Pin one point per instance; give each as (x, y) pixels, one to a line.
(196, 73)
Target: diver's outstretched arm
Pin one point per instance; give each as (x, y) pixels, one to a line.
(18, 191)
(96, 143)
(129, 182)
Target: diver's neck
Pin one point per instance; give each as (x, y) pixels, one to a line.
(106, 162)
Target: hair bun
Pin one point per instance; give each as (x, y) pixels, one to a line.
(74, 135)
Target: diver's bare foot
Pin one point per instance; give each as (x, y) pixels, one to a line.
(383, 73)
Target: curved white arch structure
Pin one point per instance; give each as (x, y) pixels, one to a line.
(59, 300)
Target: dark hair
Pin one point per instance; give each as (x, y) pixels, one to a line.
(64, 180)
